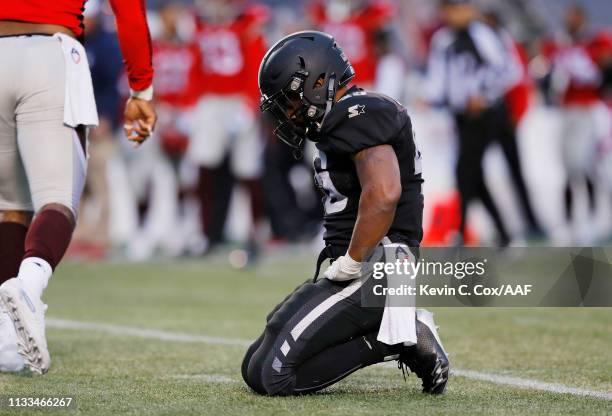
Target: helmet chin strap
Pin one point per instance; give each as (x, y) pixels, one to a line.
(331, 94)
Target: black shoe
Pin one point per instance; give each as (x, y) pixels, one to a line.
(536, 236)
(253, 251)
(427, 359)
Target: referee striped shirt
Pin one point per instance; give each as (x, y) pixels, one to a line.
(471, 62)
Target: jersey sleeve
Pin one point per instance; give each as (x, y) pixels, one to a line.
(316, 13)
(600, 48)
(362, 123)
(135, 41)
(254, 18)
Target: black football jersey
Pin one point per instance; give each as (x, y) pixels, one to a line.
(359, 120)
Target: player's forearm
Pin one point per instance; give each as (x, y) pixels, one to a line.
(381, 188)
(135, 42)
(375, 216)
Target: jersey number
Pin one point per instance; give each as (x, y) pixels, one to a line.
(333, 200)
(418, 166)
(221, 53)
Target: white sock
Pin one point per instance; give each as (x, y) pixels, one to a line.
(34, 274)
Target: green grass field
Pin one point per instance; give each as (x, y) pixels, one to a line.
(116, 373)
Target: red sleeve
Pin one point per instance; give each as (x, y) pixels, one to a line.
(256, 16)
(135, 41)
(600, 48)
(255, 53)
(316, 13)
(521, 52)
(254, 47)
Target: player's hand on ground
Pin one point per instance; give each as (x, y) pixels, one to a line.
(343, 269)
(140, 119)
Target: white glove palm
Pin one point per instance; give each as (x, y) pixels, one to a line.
(343, 269)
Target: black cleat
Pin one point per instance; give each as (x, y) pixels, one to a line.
(427, 359)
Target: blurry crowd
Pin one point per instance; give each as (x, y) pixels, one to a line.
(214, 174)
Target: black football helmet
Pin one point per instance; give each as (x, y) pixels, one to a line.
(298, 79)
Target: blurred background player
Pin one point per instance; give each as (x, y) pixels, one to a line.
(176, 59)
(225, 133)
(357, 26)
(517, 102)
(292, 201)
(45, 111)
(579, 57)
(156, 204)
(391, 65)
(91, 237)
(293, 205)
(468, 71)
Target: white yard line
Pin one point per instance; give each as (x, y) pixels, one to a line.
(530, 384)
(207, 378)
(139, 332)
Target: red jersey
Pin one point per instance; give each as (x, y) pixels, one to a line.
(578, 62)
(519, 95)
(230, 54)
(131, 26)
(355, 35)
(174, 65)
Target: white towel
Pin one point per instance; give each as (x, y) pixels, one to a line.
(79, 100)
(398, 323)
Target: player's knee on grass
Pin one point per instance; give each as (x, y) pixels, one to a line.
(264, 372)
(246, 361)
(253, 377)
(272, 363)
(266, 367)
(255, 345)
(261, 357)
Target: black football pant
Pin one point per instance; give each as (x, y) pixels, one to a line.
(475, 135)
(317, 336)
(215, 191)
(505, 132)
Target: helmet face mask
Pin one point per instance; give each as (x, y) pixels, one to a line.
(298, 83)
(292, 111)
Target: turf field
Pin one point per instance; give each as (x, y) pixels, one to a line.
(168, 338)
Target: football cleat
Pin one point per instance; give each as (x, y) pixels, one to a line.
(28, 316)
(427, 359)
(10, 360)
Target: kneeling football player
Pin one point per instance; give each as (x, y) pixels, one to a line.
(369, 169)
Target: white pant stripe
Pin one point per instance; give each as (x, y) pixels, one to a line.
(324, 307)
